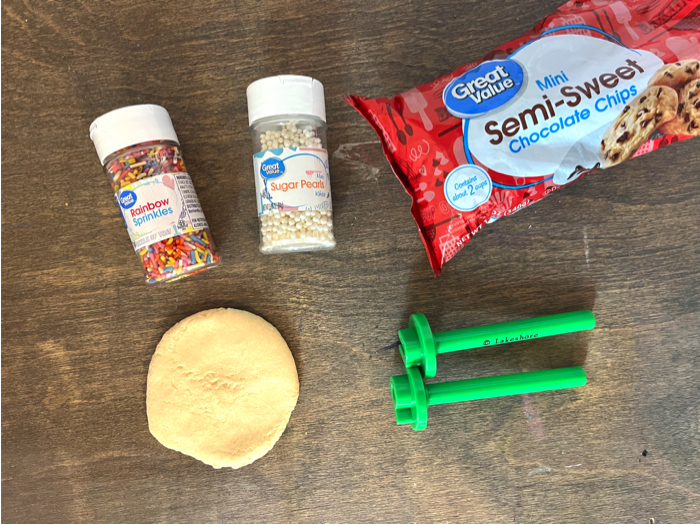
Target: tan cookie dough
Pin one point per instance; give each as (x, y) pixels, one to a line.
(687, 119)
(222, 385)
(652, 108)
(676, 75)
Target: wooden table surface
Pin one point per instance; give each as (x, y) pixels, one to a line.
(80, 326)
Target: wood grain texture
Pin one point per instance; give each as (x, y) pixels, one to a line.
(80, 327)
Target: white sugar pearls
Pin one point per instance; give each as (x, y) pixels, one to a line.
(287, 117)
(281, 230)
(290, 136)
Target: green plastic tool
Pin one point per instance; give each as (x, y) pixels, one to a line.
(419, 346)
(412, 397)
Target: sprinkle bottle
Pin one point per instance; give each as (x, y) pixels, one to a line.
(287, 117)
(140, 153)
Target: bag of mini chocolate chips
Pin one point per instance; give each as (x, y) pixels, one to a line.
(592, 85)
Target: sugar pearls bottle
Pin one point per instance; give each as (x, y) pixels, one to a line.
(140, 153)
(287, 117)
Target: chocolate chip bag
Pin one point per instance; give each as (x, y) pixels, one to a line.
(592, 85)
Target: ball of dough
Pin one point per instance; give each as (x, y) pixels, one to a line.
(222, 385)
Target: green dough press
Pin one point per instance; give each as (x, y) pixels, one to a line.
(412, 397)
(419, 348)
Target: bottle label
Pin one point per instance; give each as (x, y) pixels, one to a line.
(160, 207)
(544, 111)
(292, 179)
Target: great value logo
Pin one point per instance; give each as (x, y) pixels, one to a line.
(127, 199)
(272, 168)
(485, 88)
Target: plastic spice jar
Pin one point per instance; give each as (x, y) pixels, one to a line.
(140, 154)
(287, 117)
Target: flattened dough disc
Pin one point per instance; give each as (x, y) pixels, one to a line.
(222, 385)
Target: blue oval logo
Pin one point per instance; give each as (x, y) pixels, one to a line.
(484, 88)
(272, 168)
(127, 199)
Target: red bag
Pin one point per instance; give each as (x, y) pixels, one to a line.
(592, 85)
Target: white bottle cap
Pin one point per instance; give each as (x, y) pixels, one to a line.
(129, 126)
(285, 95)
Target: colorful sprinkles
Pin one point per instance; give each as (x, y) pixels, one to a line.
(175, 257)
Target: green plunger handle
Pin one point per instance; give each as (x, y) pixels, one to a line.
(516, 331)
(411, 396)
(502, 386)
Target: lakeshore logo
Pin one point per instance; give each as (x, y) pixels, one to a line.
(484, 88)
(506, 340)
(127, 199)
(272, 168)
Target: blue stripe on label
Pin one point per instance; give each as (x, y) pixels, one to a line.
(573, 26)
(503, 186)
